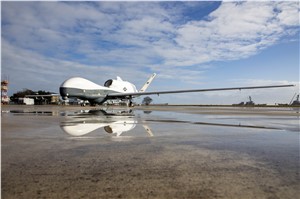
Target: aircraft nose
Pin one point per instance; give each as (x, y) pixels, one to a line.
(63, 92)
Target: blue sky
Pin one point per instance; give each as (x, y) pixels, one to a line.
(188, 44)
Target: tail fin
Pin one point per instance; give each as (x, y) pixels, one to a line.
(143, 89)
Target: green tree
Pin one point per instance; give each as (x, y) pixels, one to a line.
(147, 100)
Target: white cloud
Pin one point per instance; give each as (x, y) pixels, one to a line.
(288, 13)
(238, 30)
(233, 31)
(27, 69)
(47, 42)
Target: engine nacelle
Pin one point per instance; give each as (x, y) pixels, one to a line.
(120, 85)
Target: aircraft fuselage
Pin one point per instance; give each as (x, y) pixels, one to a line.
(86, 90)
(96, 95)
(118, 89)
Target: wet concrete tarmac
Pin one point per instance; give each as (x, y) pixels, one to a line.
(153, 152)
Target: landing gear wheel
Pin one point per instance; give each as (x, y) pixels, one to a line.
(130, 103)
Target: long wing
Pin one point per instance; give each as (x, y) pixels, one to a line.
(190, 91)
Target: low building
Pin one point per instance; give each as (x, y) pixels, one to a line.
(26, 101)
(45, 99)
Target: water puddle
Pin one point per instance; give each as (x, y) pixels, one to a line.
(135, 123)
(129, 151)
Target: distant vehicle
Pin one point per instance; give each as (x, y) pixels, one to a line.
(118, 89)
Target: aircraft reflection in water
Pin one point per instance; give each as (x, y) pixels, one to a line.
(114, 122)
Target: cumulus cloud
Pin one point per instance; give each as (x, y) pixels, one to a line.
(56, 39)
(238, 30)
(233, 31)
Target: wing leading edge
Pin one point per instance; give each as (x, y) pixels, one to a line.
(193, 90)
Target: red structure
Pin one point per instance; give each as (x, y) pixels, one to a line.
(4, 96)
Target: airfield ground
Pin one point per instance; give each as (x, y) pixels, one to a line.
(192, 152)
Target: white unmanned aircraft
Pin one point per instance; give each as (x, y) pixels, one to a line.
(118, 89)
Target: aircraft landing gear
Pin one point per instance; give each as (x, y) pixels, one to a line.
(130, 104)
